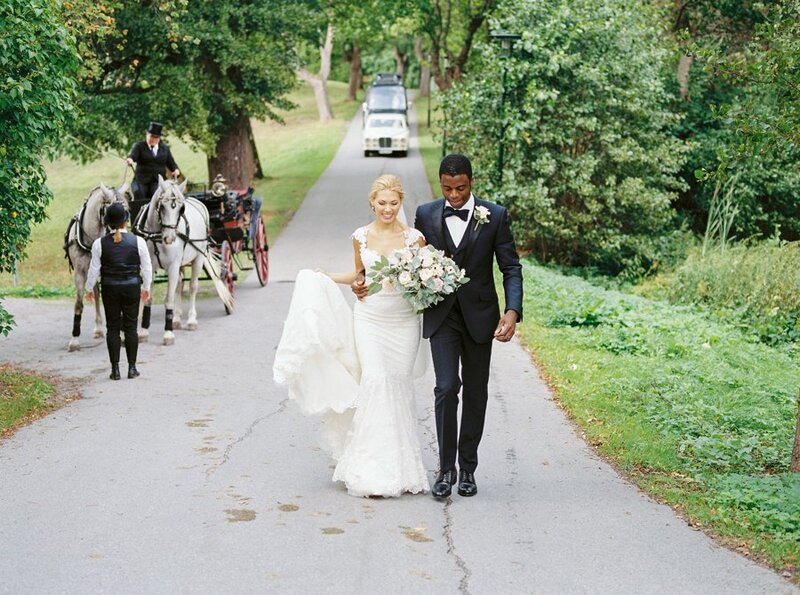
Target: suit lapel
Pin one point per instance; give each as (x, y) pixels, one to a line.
(473, 230)
(437, 223)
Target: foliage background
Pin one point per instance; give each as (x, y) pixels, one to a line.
(591, 158)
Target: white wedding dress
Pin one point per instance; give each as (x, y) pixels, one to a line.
(356, 368)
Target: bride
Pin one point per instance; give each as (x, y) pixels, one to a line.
(357, 367)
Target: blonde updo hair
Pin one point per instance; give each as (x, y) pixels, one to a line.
(386, 182)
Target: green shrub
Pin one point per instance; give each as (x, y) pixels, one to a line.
(756, 287)
(770, 504)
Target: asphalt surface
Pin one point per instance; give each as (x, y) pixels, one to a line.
(201, 477)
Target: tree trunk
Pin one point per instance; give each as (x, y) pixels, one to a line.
(319, 81)
(424, 81)
(356, 74)
(684, 66)
(235, 158)
(400, 59)
(424, 69)
(794, 467)
(321, 96)
(259, 173)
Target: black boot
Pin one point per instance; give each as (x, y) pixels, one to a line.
(132, 371)
(114, 372)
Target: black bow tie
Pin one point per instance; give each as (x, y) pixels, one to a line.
(460, 213)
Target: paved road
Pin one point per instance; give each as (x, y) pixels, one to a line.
(201, 477)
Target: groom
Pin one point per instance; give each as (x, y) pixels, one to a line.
(474, 233)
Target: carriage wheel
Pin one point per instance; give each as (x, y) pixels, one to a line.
(226, 271)
(261, 253)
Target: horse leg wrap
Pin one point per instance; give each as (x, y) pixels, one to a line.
(168, 321)
(76, 325)
(146, 317)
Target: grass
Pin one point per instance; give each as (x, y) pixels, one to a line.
(696, 412)
(292, 157)
(22, 396)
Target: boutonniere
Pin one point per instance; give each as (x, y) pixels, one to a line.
(481, 216)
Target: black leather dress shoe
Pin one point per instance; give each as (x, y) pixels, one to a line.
(443, 486)
(132, 371)
(114, 372)
(466, 484)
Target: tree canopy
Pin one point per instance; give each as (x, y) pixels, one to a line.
(38, 61)
(591, 161)
(202, 72)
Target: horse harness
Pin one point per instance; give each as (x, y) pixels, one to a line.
(156, 237)
(80, 236)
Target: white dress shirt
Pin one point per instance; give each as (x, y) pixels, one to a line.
(154, 149)
(456, 225)
(144, 263)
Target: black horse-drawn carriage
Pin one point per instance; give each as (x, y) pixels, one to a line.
(236, 227)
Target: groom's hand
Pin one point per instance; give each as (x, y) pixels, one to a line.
(506, 327)
(359, 286)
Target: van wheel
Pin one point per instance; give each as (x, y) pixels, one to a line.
(366, 153)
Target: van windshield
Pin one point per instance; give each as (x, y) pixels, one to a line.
(387, 98)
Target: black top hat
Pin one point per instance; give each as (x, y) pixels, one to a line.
(155, 128)
(115, 215)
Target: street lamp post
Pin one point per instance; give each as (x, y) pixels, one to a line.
(506, 40)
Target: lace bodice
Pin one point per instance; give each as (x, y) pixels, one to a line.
(369, 257)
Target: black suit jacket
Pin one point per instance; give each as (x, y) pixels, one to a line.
(149, 166)
(478, 297)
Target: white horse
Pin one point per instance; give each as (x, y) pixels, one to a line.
(176, 230)
(83, 229)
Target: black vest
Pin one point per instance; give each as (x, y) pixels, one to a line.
(453, 251)
(120, 263)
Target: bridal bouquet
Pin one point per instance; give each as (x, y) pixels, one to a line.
(424, 275)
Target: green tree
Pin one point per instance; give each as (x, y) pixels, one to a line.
(591, 161)
(767, 117)
(451, 28)
(711, 36)
(38, 62)
(204, 69)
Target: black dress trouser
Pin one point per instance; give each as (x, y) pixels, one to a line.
(121, 304)
(145, 190)
(452, 345)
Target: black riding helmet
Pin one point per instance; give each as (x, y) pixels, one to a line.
(115, 215)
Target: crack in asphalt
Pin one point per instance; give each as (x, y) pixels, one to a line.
(447, 529)
(466, 573)
(226, 455)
